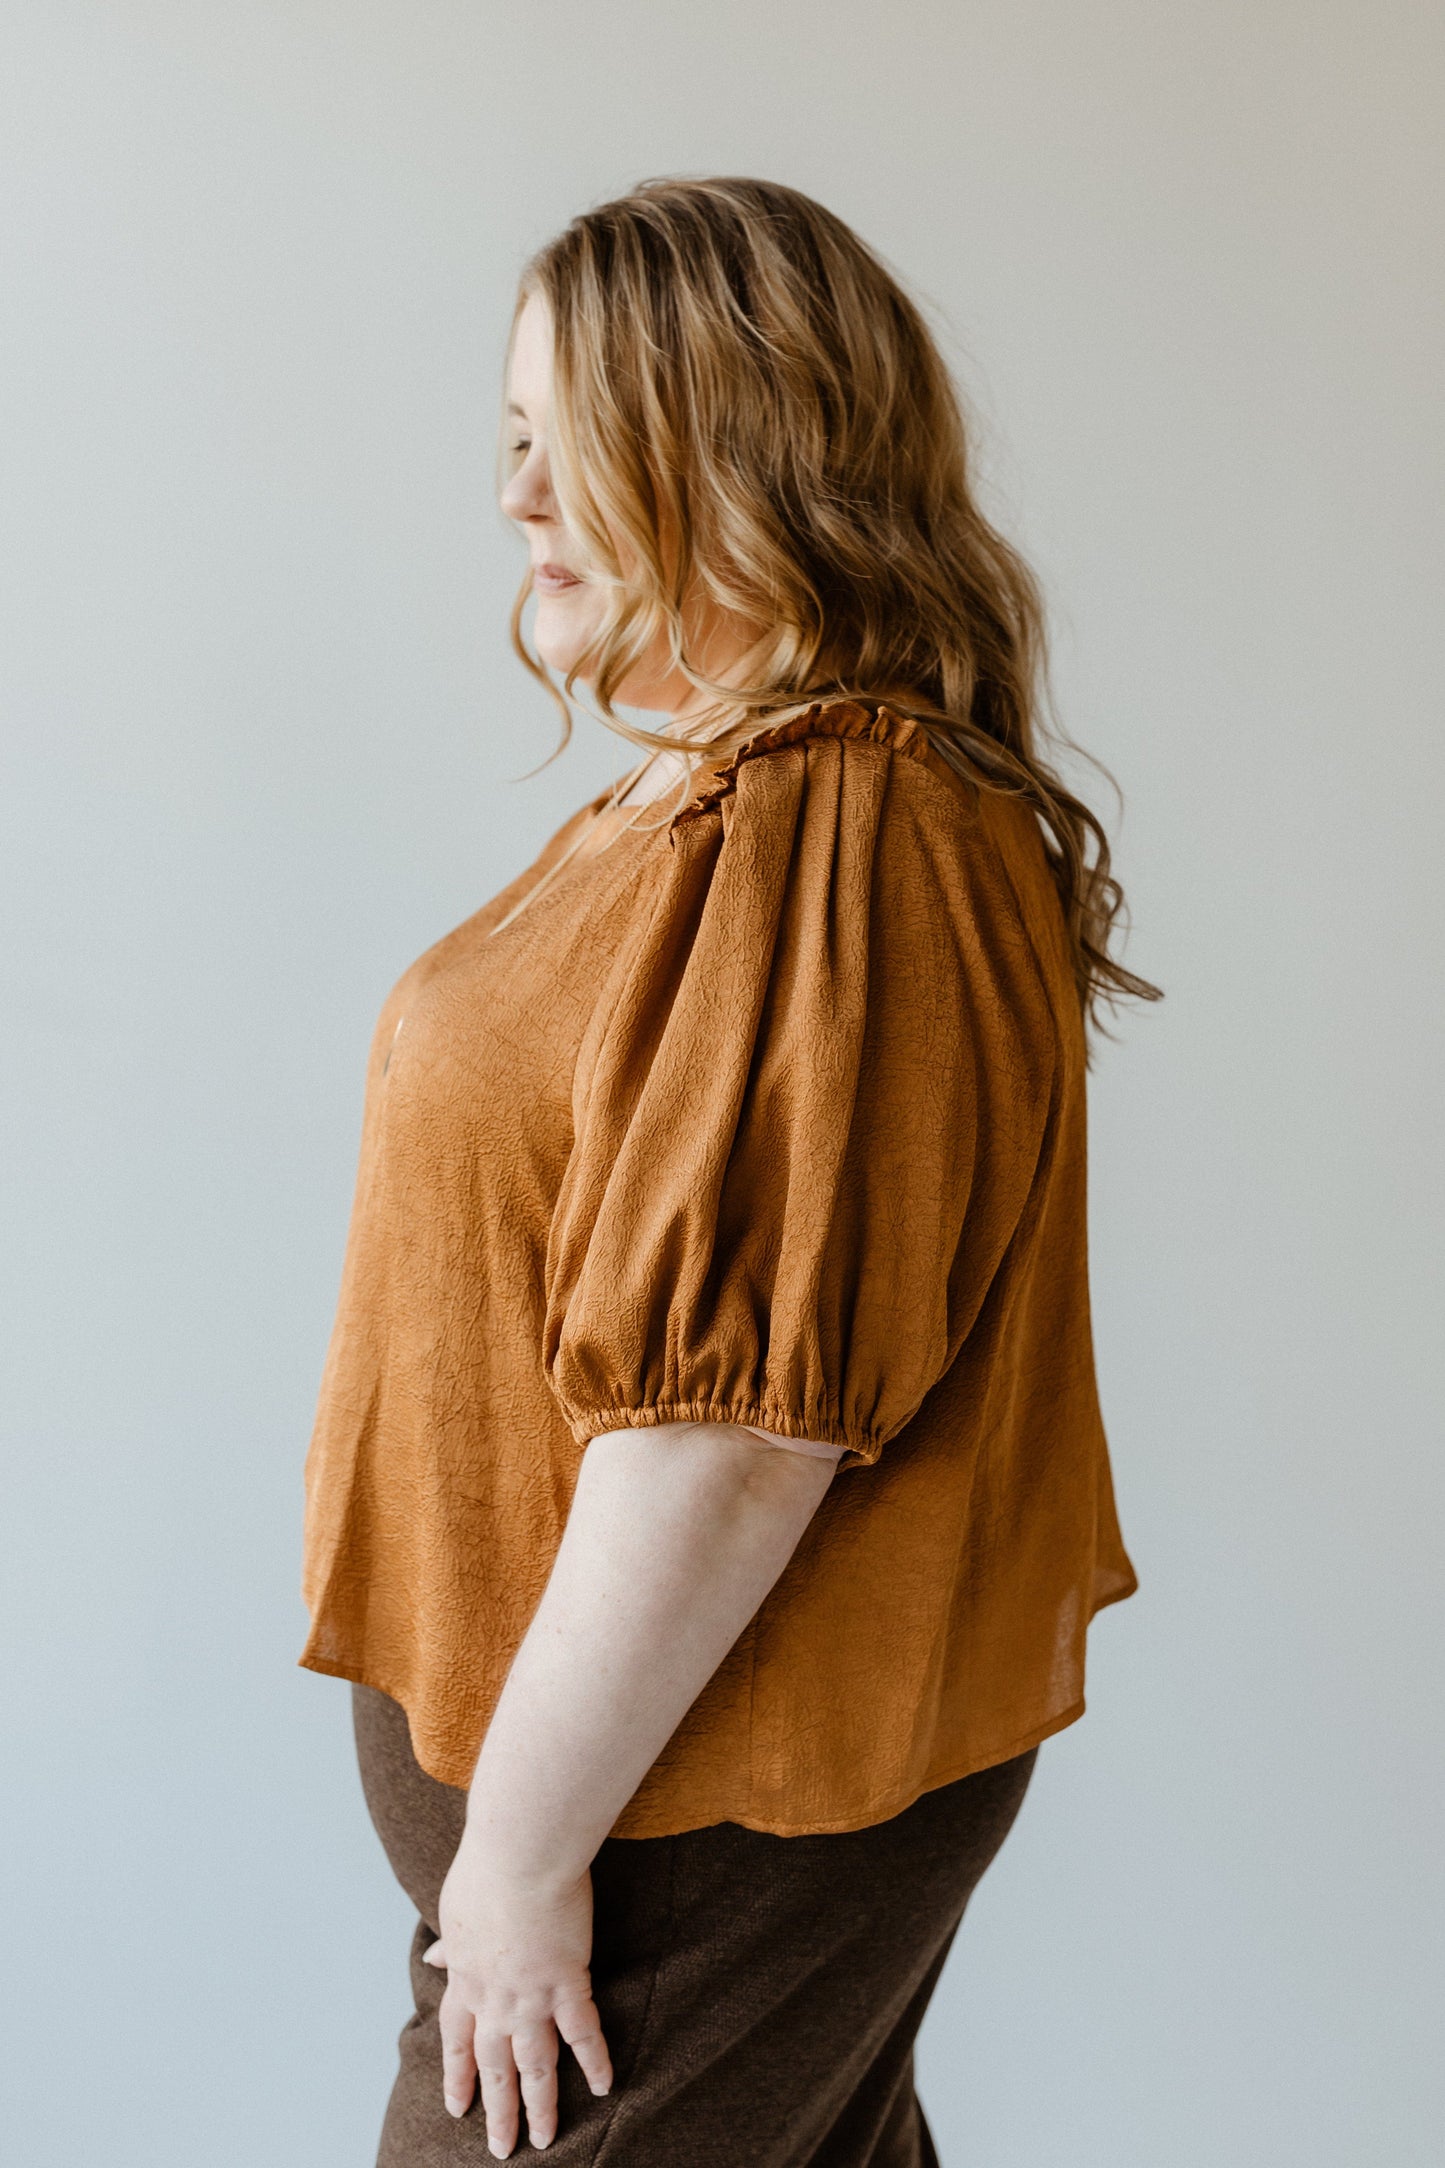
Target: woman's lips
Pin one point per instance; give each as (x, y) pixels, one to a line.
(553, 579)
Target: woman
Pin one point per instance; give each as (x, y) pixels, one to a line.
(708, 1496)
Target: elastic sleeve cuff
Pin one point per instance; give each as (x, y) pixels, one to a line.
(810, 1448)
(856, 1448)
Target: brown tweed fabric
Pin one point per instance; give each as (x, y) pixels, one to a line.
(760, 1994)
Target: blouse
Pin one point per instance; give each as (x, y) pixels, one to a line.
(770, 1114)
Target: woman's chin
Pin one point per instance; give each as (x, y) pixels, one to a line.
(558, 655)
(560, 631)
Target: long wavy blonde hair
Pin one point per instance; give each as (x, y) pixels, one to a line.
(747, 407)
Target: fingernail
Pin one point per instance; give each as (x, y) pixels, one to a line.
(456, 2107)
(600, 2090)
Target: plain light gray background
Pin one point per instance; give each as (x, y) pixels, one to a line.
(262, 733)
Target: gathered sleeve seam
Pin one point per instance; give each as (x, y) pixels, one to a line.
(880, 726)
(859, 1443)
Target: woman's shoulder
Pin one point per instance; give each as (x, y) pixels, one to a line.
(843, 722)
(905, 838)
(973, 830)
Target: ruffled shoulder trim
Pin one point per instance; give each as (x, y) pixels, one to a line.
(824, 719)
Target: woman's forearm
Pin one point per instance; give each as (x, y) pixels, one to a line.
(671, 1545)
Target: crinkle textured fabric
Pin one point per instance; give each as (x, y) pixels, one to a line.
(773, 1114)
(760, 1995)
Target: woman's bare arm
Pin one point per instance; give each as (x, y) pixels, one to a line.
(672, 1543)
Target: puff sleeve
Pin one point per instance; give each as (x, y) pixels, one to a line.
(807, 1112)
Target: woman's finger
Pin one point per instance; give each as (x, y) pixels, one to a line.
(534, 2050)
(498, 2074)
(459, 2066)
(436, 1955)
(581, 2028)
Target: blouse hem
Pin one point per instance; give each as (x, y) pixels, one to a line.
(883, 1810)
(664, 1824)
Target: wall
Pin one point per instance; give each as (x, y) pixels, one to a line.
(265, 741)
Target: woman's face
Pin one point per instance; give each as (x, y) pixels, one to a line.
(570, 604)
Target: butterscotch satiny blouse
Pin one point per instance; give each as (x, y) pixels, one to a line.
(775, 1115)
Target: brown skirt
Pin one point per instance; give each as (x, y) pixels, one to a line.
(760, 1995)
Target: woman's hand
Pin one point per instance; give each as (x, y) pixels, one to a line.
(516, 1955)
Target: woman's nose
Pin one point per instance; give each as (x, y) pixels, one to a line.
(527, 494)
